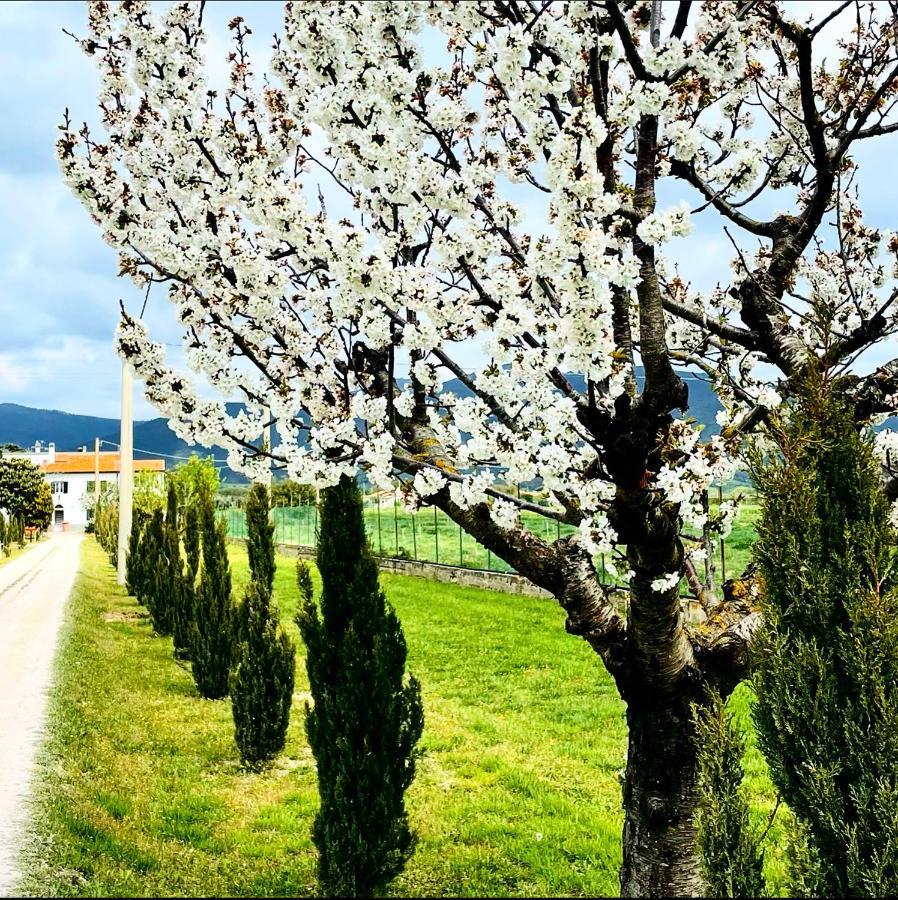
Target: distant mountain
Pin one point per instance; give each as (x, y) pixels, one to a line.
(23, 425)
(703, 402)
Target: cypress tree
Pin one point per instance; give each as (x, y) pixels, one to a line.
(827, 664)
(260, 537)
(134, 569)
(179, 597)
(265, 658)
(304, 581)
(729, 848)
(158, 594)
(262, 680)
(192, 541)
(366, 719)
(142, 564)
(213, 619)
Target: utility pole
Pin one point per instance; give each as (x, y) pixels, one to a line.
(126, 470)
(96, 476)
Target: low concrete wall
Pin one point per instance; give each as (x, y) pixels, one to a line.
(506, 583)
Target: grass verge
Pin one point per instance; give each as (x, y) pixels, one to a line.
(140, 792)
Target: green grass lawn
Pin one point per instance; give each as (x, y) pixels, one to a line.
(140, 792)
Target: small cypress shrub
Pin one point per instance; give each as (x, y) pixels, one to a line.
(180, 598)
(262, 680)
(142, 573)
(260, 537)
(265, 658)
(192, 541)
(213, 619)
(133, 568)
(304, 581)
(366, 720)
(158, 589)
(729, 848)
(827, 664)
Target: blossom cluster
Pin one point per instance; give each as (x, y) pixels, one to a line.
(414, 180)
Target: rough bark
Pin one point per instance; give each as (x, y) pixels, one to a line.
(660, 797)
(660, 789)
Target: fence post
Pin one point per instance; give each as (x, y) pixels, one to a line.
(723, 555)
(436, 536)
(414, 536)
(461, 551)
(380, 539)
(707, 542)
(395, 521)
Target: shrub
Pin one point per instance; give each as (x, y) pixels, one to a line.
(179, 597)
(134, 572)
(158, 596)
(260, 537)
(729, 848)
(265, 658)
(827, 664)
(366, 719)
(213, 619)
(262, 680)
(106, 529)
(192, 541)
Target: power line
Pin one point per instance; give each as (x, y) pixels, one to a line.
(223, 463)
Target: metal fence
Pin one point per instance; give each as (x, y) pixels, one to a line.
(427, 535)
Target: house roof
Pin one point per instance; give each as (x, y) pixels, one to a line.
(84, 463)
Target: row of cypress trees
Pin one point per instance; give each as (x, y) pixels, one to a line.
(234, 649)
(366, 717)
(105, 527)
(826, 668)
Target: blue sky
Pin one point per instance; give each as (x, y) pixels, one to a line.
(59, 294)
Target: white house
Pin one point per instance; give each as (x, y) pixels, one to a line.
(72, 477)
(38, 454)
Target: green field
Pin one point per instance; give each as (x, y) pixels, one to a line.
(432, 536)
(140, 792)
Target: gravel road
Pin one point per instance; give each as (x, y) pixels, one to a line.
(34, 589)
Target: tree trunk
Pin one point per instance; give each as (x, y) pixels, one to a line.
(660, 796)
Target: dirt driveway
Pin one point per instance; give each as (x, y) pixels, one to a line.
(34, 589)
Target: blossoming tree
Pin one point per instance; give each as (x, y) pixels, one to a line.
(417, 184)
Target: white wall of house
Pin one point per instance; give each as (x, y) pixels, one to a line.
(39, 454)
(69, 492)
